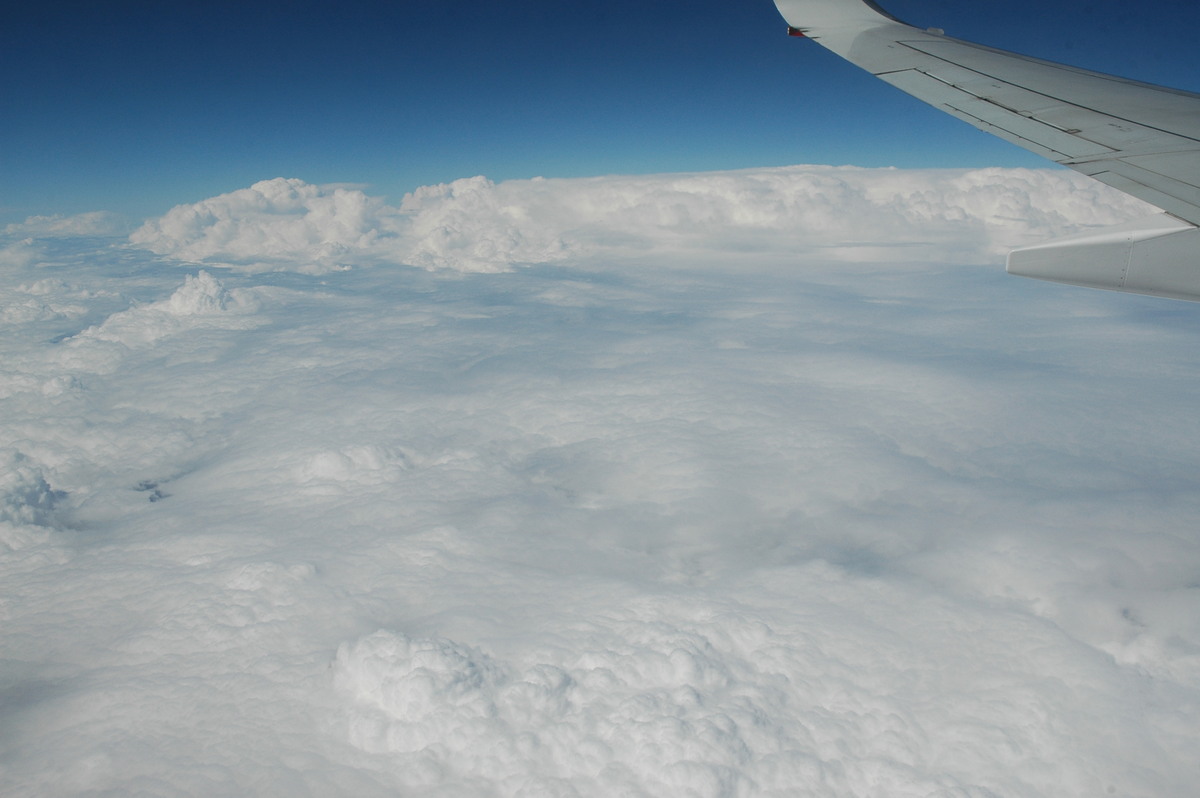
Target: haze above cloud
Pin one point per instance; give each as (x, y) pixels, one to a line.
(764, 482)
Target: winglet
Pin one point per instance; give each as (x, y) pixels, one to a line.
(817, 15)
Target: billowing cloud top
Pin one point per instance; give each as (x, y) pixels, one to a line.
(475, 225)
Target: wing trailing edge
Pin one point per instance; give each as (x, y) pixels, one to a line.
(1139, 138)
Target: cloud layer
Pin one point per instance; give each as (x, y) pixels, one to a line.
(657, 514)
(95, 223)
(474, 225)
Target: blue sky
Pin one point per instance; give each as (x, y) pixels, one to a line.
(137, 106)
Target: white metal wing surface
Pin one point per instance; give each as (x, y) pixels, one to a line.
(1139, 138)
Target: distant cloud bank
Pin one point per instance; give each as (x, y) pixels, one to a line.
(93, 223)
(475, 225)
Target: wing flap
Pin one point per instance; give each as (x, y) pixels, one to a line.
(996, 111)
(1176, 197)
(1173, 111)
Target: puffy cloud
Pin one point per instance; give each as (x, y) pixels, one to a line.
(202, 301)
(477, 226)
(274, 224)
(659, 697)
(653, 520)
(474, 225)
(27, 502)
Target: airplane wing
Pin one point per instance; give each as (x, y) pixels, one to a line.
(1136, 137)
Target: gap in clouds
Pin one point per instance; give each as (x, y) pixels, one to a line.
(638, 518)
